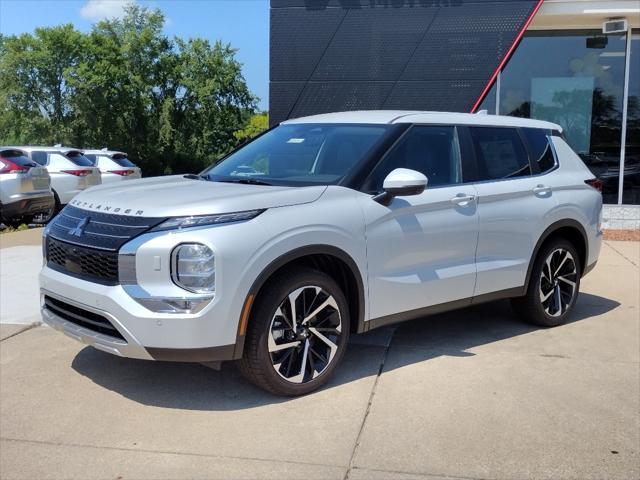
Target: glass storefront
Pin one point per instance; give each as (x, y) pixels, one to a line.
(576, 78)
(631, 189)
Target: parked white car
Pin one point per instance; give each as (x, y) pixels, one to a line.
(114, 166)
(25, 188)
(71, 172)
(322, 227)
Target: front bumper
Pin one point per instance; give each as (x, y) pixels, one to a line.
(145, 335)
(27, 204)
(107, 343)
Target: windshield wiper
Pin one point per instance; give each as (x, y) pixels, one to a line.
(245, 181)
(193, 176)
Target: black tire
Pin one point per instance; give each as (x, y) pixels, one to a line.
(14, 222)
(260, 366)
(45, 217)
(558, 306)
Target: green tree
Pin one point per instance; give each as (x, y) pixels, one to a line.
(211, 101)
(258, 123)
(121, 85)
(35, 95)
(172, 104)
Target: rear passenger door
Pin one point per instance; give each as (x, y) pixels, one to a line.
(514, 197)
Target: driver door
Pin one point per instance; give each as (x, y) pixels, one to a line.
(421, 248)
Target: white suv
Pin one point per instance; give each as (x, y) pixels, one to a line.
(319, 228)
(114, 166)
(71, 172)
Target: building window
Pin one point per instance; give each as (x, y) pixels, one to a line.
(573, 78)
(631, 188)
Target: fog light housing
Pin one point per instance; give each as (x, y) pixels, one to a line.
(193, 268)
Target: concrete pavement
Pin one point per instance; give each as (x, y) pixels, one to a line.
(468, 394)
(20, 262)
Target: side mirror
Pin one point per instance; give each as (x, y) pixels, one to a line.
(401, 182)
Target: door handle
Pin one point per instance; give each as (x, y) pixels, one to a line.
(538, 189)
(463, 200)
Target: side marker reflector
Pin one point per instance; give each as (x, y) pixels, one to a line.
(244, 319)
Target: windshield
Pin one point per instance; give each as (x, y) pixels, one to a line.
(122, 160)
(79, 159)
(18, 157)
(300, 154)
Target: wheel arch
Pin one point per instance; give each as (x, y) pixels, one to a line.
(326, 258)
(569, 229)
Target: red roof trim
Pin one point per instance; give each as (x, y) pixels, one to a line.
(506, 57)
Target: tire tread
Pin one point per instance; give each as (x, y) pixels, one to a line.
(251, 366)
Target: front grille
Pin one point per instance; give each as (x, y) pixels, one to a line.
(98, 230)
(81, 317)
(85, 243)
(82, 262)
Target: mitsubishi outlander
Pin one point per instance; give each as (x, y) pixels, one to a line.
(320, 228)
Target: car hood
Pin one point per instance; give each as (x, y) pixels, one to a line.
(178, 196)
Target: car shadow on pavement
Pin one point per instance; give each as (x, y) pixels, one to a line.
(196, 387)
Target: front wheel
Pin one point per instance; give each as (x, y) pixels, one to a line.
(297, 333)
(553, 286)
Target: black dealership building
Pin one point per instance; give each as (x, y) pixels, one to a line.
(538, 59)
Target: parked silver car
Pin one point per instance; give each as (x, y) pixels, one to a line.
(71, 172)
(114, 166)
(25, 188)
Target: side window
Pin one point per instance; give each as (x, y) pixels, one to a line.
(39, 157)
(433, 151)
(59, 160)
(538, 140)
(500, 153)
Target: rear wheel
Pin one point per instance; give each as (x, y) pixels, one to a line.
(553, 286)
(14, 222)
(45, 217)
(297, 333)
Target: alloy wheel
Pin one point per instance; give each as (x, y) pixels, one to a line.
(558, 282)
(304, 334)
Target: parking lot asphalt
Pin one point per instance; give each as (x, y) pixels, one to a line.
(472, 394)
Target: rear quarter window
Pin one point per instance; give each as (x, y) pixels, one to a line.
(542, 155)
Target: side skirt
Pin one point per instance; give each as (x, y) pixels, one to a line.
(443, 307)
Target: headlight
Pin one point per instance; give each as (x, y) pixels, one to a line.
(193, 268)
(201, 220)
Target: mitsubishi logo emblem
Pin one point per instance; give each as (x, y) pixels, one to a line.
(78, 230)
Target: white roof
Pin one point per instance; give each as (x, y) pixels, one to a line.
(95, 151)
(30, 148)
(409, 116)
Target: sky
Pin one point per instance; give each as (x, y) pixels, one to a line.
(242, 23)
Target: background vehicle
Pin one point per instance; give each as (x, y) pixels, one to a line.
(322, 227)
(114, 166)
(71, 172)
(25, 188)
